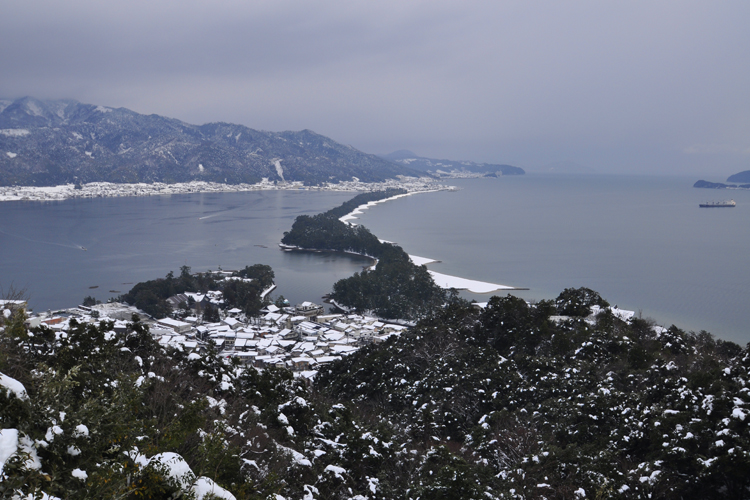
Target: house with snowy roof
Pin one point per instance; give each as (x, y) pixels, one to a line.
(176, 325)
(309, 310)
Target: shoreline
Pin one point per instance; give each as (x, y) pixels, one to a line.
(358, 211)
(444, 281)
(114, 190)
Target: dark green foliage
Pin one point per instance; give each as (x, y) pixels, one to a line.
(611, 407)
(504, 402)
(395, 288)
(361, 199)
(151, 296)
(130, 394)
(247, 295)
(578, 301)
(326, 232)
(90, 301)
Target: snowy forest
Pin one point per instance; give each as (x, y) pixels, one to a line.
(513, 401)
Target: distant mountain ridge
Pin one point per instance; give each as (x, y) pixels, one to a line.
(743, 176)
(64, 141)
(433, 166)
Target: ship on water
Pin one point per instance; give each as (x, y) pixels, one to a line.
(719, 204)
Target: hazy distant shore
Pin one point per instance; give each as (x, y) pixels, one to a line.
(109, 189)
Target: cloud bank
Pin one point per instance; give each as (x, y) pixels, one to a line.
(638, 87)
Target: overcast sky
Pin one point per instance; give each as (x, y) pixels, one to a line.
(615, 86)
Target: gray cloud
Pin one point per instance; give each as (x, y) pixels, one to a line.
(617, 86)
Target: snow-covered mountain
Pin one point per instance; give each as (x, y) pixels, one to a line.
(407, 158)
(63, 141)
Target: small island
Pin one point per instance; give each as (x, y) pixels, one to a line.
(741, 177)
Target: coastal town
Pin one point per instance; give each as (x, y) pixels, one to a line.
(300, 338)
(109, 189)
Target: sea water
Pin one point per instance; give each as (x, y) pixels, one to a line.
(641, 242)
(60, 252)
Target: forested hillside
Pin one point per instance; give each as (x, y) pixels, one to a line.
(513, 401)
(151, 296)
(57, 142)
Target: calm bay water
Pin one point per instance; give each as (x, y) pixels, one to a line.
(134, 239)
(641, 242)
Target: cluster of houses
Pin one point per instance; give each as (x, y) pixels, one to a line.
(300, 338)
(109, 189)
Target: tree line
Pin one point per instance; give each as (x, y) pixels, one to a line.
(151, 296)
(394, 288)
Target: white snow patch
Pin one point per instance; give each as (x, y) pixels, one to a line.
(11, 155)
(201, 168)
(53, 431)
(80, 474)
(279, 170)
(205, 486)
(175, 467)
(373, 484)
(299, 458)
(10, 443)
(103, 109)
(12, 385)
(446, 281)
(14, 132)
(89, 153)
(310, 492)
(421, 261)
(650, 479)
(358, 211)
(81, 431)
(33, 108)
(337, 471)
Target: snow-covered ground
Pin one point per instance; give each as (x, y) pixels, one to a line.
(427, 188)
(447, 281)
(422, 261)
